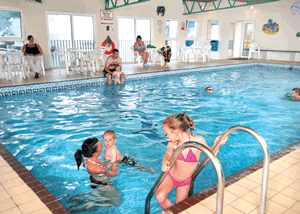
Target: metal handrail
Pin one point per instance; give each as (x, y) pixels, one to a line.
(266, 162)
(212, 157)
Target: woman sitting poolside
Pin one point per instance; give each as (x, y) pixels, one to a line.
(91, 149)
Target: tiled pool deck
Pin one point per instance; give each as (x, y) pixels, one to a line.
(21, 192)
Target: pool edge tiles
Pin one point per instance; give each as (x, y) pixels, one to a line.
(32, 182)
(42, 87)
(204, 194)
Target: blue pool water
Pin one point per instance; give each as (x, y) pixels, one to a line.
(44, 130)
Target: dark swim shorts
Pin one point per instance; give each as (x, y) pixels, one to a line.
(105, 72)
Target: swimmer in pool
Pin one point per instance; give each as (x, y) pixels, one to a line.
(176, 127)
(114, 156)
(294, 95)
(91, 149)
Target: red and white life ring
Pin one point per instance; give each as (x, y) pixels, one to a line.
(110, 49)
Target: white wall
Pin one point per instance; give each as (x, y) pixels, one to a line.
(280, 11)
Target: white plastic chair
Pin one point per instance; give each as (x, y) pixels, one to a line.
(182, 53)
(14, 59)
(88, 59)
(27, 66)
(157, 56)
(2, 61)
(67, 58)
(99, 55)
(137, 56)
(204, 52)
(253, 48)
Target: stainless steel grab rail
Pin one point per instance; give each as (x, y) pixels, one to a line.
(266, 163)
(211, 156)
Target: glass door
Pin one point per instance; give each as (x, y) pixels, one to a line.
(128, 30)
(247, 37)
(172, 36)
(70, 31)
(231, 39)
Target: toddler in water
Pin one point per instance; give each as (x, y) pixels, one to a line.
(112, 153)
(117, 75)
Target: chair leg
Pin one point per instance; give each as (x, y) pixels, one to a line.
(67, 67)
(8, 71)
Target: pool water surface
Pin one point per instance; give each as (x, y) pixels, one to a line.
(44, 130)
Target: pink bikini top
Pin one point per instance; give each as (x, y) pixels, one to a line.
(191, 157)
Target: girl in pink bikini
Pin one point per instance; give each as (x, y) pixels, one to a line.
(176, 127)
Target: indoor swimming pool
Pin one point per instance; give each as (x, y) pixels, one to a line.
(43, 130)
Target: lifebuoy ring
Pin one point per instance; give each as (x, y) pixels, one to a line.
(112, 47)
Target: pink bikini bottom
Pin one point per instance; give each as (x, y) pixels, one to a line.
(180, 183)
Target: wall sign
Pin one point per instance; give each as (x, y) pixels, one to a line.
(270, 28)
(107, 17)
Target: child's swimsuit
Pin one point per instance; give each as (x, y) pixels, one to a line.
(191, 157)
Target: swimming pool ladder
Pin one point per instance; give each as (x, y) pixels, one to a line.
(211, 156)
(174, 157)
(266, 162)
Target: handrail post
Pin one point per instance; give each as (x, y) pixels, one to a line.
(266, 162)
(216, 163)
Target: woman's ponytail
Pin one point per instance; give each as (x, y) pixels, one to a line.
(78, 158)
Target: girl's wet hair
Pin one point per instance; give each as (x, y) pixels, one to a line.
(29, 37)
(88, 148)
(180, 121)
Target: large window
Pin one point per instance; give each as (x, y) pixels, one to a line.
(70, 31)
(212, 30)
(192, 29)
(128, 30)
(11, 33)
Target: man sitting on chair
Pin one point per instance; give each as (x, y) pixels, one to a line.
(32, 52)
(111, 63)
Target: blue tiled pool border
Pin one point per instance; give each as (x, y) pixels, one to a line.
(8, 91)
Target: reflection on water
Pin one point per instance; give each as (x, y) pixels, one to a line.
(101, 196)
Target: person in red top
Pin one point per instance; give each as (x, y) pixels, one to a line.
(33, 53)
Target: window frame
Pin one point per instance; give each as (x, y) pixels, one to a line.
(13, 39)
(187, 26)
(207, 38)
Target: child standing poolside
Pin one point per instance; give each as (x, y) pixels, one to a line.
(112, 153)
(176, 127)
(116, 77)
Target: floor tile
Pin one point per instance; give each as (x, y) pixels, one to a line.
(275, 208)
(283, 179)
(296, 207)
(12, 183)
(276, 168)
(4, 196)
(284, 200)
(199, 208)
(18, 190)
(229, 197)
(282, 163)
(276, 186)
(47, 211)
(248, 184)
(25, 197)
(8, 176)
(295, 186)
(255, 177)
(292, 193)
(237, 190)
(14, 210)
(270, 192)
(252, 197)
(230, 210)
(291, 212)
(289, 159)
(5, 169)
(32, 206)
(6, 205)
(291, 174)
(243, 205)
